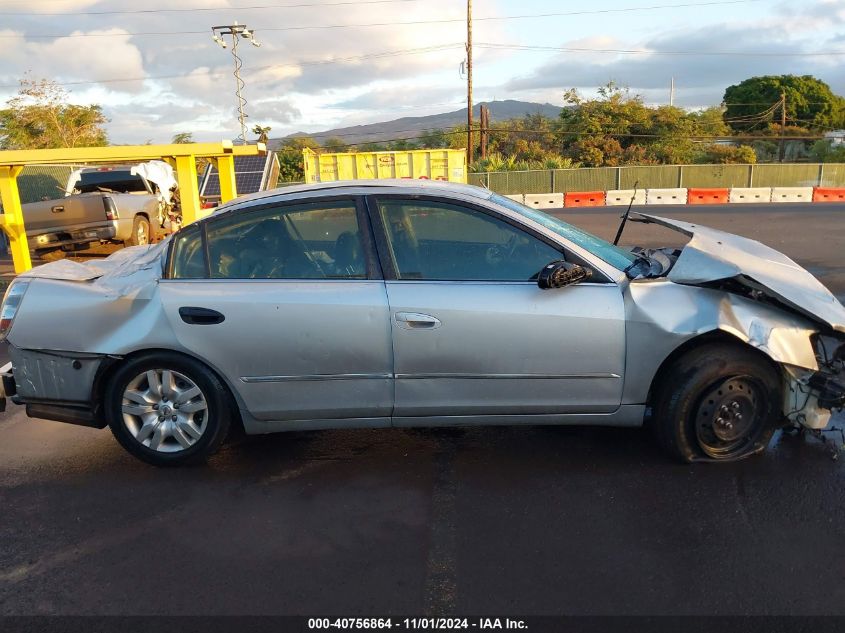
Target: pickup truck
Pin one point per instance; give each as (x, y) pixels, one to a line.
(118, 204)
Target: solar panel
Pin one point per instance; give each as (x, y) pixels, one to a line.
(252, 174)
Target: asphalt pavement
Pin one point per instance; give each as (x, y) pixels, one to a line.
(485, 521)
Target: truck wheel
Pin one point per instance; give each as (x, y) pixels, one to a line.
(140, 231)
(167, 409)
(719, 402)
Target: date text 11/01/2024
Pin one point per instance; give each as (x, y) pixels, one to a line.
(417, 623)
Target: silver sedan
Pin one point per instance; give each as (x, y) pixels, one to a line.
(408, 303)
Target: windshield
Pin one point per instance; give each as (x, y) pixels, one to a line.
(613, 255)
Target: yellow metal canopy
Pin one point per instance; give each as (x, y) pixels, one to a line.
(181, 156)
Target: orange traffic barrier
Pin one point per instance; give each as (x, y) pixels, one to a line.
(828, 194)
(707, 196)
(584, 199)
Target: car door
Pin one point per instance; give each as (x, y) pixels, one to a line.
(287, 302)
(473, 334)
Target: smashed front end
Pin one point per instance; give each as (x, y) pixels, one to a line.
(812, 396)
(765, 299)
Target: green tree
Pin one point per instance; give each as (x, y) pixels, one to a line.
(40, 117)
(595, 132)
(335, 144)
(263, 132)
(373, 147)
(433, 139)
(824, 151)
(713, 154)
(182, 138)
(291, 166)
(617, 128)
(810, 102)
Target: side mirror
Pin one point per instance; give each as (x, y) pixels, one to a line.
(560, 273)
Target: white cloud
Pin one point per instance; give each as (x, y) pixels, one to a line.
(295, 81)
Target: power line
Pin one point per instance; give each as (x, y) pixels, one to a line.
(219, 9)
(412, 22)
(255, 69)
(643, 51)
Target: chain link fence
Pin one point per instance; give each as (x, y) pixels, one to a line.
(662, 176)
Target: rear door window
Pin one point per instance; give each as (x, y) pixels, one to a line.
(306, 241)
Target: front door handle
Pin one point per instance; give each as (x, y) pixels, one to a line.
(58, 209)
(416, 321)
(200, 316)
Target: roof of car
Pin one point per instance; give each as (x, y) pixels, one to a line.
(400, 185)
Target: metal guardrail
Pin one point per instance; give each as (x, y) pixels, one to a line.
(662, 176)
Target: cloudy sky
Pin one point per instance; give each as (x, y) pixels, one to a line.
(154, 68)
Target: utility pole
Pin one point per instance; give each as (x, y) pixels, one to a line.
(469, 84)
(485, 130)
(236, 31)
(672, 92)
(782, 149)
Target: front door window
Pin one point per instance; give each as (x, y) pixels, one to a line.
(433, 240)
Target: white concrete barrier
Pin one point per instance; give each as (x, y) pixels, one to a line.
(750, 194)
(792, 194)
(618, 197)
(666, 196)
(519, 197)
(544, 200)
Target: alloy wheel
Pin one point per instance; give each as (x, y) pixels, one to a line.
(164, 410)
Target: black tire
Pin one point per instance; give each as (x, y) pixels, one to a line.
(140, 227)
(215, 419)
(718, 402)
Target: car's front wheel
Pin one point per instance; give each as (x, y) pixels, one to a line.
(167, 409)
(717, 402)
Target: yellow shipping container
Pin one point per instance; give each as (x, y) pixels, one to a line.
(426, 164)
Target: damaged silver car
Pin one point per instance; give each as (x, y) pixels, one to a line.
(409, 303)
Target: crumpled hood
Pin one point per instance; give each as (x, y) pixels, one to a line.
(712, 255)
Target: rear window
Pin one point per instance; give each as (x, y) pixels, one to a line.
(121, 181)
(188, 254)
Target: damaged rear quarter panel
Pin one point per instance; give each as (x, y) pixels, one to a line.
(84, 317)
(662, 315)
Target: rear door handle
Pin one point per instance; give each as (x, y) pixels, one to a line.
(416, 321)
(200, 316)
(58, 209)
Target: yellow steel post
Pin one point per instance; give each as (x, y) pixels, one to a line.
(13, 217)
(226, 170)
(189, 192)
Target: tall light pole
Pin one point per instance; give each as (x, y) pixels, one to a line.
(236, 31)
(469, 84)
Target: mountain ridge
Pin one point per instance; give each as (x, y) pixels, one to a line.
(413, 127)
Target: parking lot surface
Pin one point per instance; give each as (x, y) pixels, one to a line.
(485, 521)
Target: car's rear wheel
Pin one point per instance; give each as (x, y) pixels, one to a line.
(167, 409)
(718, 402)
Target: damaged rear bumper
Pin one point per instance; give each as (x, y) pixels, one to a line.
(55, 385)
